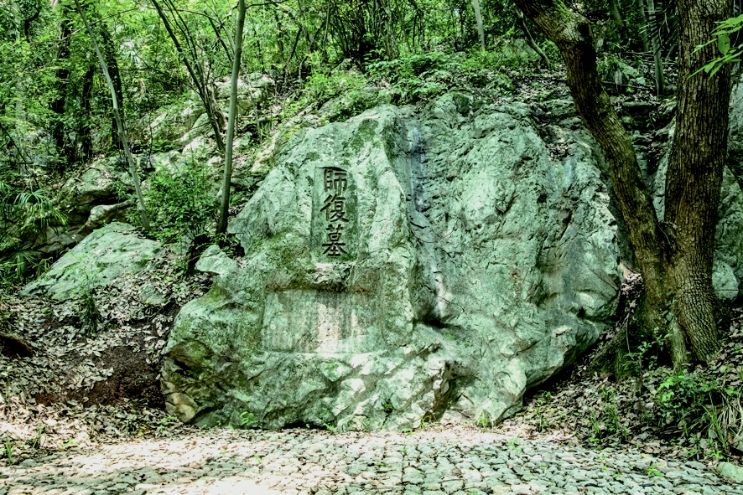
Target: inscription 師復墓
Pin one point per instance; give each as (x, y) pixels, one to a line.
(334, 207)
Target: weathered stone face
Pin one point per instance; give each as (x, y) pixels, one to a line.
(400, 266)
(98, 260)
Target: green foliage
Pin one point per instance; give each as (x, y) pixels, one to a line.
(166, 423)
(248, 419)
(89, 314)
(323, 86)
(722, 38)
(614, 69)
(483, 420)
(699, 408)
(682, 399)
(541, 407)
(180, 203)
(19, 265)
(25, 215)
(644, 357)
(38, 211)
(654, 472)
(8, 447)
(424, 76)
(606, 422)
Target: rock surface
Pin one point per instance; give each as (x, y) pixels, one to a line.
(96, 261)
(731, 472)
(451, 462)
(399, 267)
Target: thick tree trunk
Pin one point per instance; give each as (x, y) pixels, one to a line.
(695, 173)
(675, 261)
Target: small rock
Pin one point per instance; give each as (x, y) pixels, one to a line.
(731, 471)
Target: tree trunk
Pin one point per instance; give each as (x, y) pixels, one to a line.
(109, 53)
(694, 174)
(652, 16)
(675, 263)
(62, 76)
(85, 131)
(119, 118)
(478, 21)
(531, 41)
(227, 178)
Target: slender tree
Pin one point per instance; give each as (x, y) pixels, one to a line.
(674, 256)
(478, 20)
(189, 56)
(108, 50)
(85, 134)
(118, 116)
(655, 44)
(62, 76)
(232, 119)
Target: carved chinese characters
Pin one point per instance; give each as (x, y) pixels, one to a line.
(333, 215)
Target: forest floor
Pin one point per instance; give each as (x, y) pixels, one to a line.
(444, 460)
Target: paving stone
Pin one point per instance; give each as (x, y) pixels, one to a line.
(451, 462)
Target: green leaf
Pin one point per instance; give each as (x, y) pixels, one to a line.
(723, 43)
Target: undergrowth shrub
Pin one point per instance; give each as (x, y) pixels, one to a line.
(323, 85)
(708, 414)
(25, 215)
(606, 420)
(424, 76)
(180, 203)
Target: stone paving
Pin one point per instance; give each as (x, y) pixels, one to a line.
(453, 461)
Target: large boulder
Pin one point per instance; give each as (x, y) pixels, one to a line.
(165, 130)
(90, 198)
(98, 260)
(99, 183)
(401, 266)
(253, 90)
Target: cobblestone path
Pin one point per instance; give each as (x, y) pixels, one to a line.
(455, 461)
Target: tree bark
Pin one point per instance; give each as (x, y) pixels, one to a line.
(227, 177)
(85, 130)
(675, 260)
(479, 23)
(62, 76)
(694, 174)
